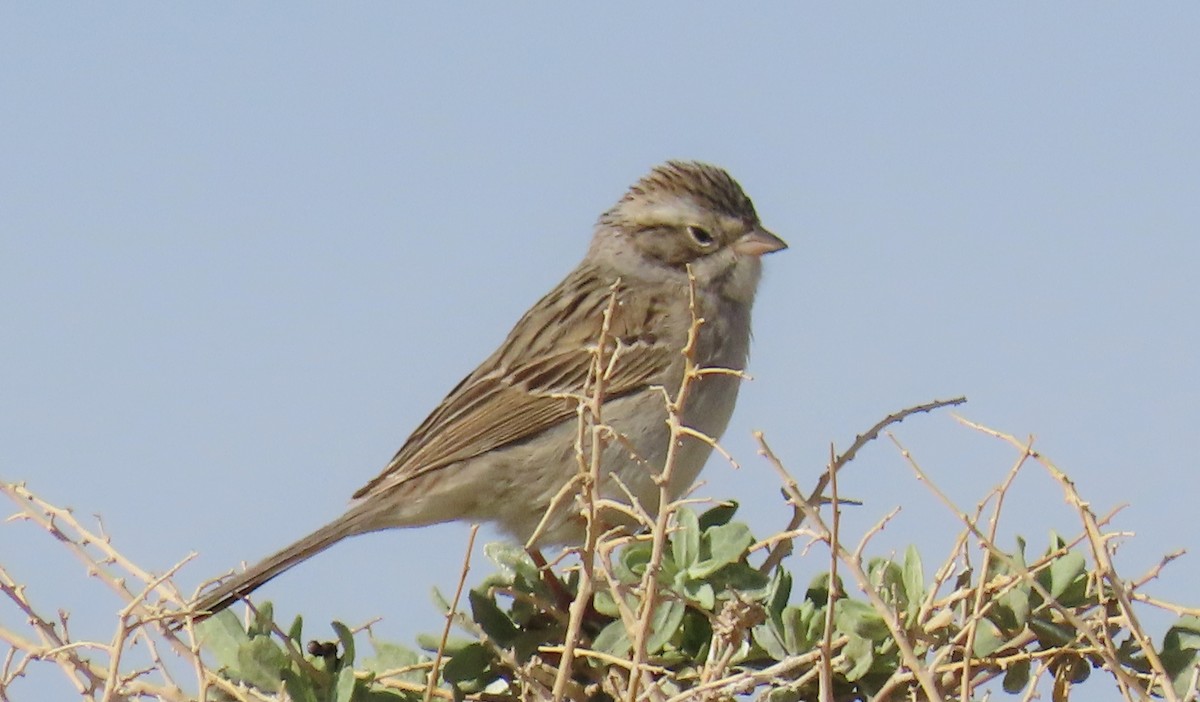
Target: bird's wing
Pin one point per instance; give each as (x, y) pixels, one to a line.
(535, 378)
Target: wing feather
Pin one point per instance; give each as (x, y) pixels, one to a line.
(530, 383)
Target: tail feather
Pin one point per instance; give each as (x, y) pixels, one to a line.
(242, 584)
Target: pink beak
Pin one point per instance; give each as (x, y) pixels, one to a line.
(758, 242)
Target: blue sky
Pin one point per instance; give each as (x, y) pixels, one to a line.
(245, 248)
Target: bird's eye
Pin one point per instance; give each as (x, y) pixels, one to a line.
(700, 236)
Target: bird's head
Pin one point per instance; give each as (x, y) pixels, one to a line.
(687, 214)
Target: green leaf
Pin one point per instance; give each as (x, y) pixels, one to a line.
(344, 691)
(223, 634)
(665, 622)
(469, 663)
(988, 638)
(346, 638)
(860, 653)
(914, 582)
(780, 593)
(1016, 677)
(801, 626)
(701, 594)
(296, 630)
(1018, 557)
(299, 688)
(513, 561)
(783, 694)
(390, 656)
(1014, 606)
(604, 603)
(264, 621)
(454, 644)
(1180, 666)
(685, 540)
(488, 615)
(1070, 666)
(860, 618)
(769, 637)
(440, 601)
(743, 577)
(818, 589)
(997, 567)
(613, 639)
(1180, 648)
(668, 615)
(1184, 635)
(1066, 571)
(697, 634)
(1050, 634)
(261, 663)
(725, 544)
(527, 642)
(795, 630)
(378, 695)
(631, 562)
(1130, 653)
(718, 515)
(888, 580)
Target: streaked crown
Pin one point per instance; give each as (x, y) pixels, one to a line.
(669, 191)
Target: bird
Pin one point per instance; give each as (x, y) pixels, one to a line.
(683, 243)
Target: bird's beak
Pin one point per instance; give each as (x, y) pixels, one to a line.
(758, 242)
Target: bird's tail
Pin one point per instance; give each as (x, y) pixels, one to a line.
(243, 584)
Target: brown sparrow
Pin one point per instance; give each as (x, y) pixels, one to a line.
(503, 442)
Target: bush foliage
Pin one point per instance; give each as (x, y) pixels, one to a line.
(694, 606)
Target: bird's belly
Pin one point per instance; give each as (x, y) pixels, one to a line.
(524, 482)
